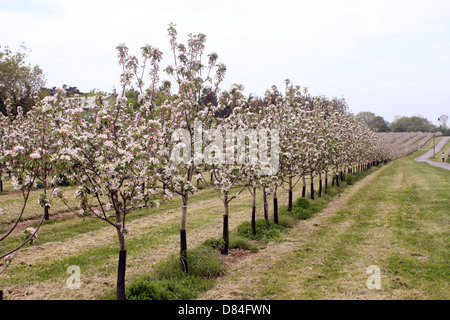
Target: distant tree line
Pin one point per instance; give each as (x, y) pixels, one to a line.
(70, 91)
(403, 124)
(19, 81)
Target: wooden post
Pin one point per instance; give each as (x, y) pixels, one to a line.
(434, 142)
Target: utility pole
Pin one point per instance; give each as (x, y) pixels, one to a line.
(434, 142)
(434, 135)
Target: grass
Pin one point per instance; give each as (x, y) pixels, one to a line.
(266, 231)
(154, 235)
(169, 282)
(90, 244)
(445, 149)
(396, 219)
(11, 201)
(429, 144)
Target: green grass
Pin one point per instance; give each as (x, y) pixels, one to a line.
(399, 222)
(169, 282)
(405, 205)
(429, 144)
(445, 149)
(266, 231)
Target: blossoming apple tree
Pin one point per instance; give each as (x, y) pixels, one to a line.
(111, 150)
(18, 145)
(198, 85)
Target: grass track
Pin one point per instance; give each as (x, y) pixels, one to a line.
(39, 271)
(396, 219)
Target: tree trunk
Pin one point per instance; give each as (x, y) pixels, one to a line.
(46, 213)
(337, 180)
(183, 240)
(266, 205)
(225, 227)
(312, 187)
(1, 184)
(121, 275)
(290, 195)
(326, 181)
(304, 187)
(254, 212)
(320, 184)
(121, 269)
(275, 206)
(46, 209)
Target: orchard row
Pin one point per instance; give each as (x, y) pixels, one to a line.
(126, 152)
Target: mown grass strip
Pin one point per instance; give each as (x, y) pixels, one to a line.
(173, 284)
(398, 222)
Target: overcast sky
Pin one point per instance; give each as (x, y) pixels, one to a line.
(386, 56)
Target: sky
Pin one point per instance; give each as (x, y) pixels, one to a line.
(390, 57)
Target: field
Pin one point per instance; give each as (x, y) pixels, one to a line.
(445, 149)
(394, 218)
(405, 143)
(183, 189)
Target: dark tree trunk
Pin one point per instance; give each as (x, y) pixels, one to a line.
(275, 209)
(46, 213)
(225, 235)
(304, 187)
(320, 184)
(275, 206)
(326, 181)
(254, 212)
(46, 209)
(183, 239)
(225, 227)
(337, 180)
(290, 195)
(266, 205)
(312, 187)
(122, 261)
(121, 275)
(254, 220)
(183, 251)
